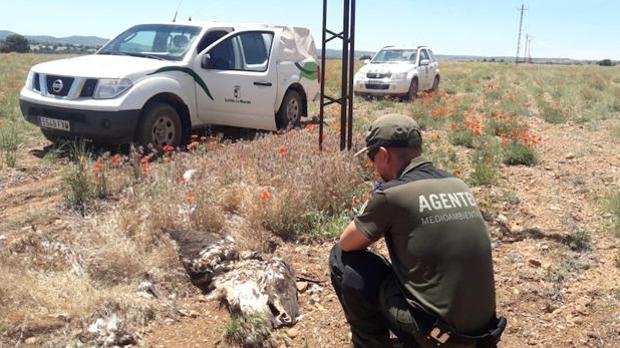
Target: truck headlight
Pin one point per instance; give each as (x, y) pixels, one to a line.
(28, 85)
(111, 88)
(399, 76)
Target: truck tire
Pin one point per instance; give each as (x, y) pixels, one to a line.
(413, 90)
(290, 111)
(159, 126)
(435, 87)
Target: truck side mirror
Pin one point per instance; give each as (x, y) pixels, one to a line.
(424, 62)
(205, 61)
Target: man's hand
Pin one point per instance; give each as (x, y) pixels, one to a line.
(352, 239)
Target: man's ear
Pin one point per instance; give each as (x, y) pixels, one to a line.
(385, 153)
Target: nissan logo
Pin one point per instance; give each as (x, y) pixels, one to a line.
(57, 86)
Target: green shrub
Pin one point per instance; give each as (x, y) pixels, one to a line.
(579, 240)
(9, 142)
(462, 137)
(515, 109)
(483, 174)
(484, 162)
(494, 94)
(613, 206)
(80, 190)
(516, 153)
(248, 331)
(552, 114)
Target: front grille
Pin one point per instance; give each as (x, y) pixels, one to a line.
(36, 84)
(377, 86)
(59, 81)
(89, 88)
(378, 75)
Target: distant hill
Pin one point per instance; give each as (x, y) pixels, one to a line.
(337, 54)
(91, 41)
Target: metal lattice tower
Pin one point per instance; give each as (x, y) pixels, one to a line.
(525, 50)
(523, 9)
(347, 35)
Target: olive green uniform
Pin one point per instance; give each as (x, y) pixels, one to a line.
(439, 285)
(438, 244)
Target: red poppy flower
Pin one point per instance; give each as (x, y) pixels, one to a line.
(265, 195)
(190, 198)
(116, 160)
(98, 166)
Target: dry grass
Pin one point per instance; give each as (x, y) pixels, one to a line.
(93, 265)
(96, 263)
(271, 182)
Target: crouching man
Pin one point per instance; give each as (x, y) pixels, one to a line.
(438, 289)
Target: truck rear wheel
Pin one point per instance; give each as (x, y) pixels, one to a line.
(290, 110)
(160, 126)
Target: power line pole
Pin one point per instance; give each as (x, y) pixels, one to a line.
(523, 9)
(527, 41)
(347, 35)
(529, 49)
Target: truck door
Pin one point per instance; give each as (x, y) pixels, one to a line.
(433, 66)
(239, 78)
(425, 72)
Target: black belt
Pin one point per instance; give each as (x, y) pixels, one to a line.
(441, 333)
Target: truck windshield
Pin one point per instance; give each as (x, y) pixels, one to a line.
(395, 56)
(157, 41)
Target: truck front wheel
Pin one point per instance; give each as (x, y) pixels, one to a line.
(290, 110)
(413, 90)
(435, 87)
(160, 126)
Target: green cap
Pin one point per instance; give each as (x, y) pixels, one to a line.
(392, 130)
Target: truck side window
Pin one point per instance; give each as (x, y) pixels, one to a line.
(224, 55)
(432, 55)
(210, 38)
(256, 47)
(423, 55)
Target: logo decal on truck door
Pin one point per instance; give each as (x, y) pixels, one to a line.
(237, 97)
(188, 71)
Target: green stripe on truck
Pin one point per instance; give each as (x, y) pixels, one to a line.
(188, 71)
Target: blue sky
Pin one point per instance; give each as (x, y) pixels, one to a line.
(575, 29)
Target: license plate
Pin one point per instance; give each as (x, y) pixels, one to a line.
(55, 123)
(375, 82)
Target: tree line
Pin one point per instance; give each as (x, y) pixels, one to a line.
(18, 43)
(15, 43)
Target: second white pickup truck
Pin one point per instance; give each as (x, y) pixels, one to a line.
(398, 71)
(154, 83)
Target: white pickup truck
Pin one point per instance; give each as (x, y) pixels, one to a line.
(399, 71)
(154, 83)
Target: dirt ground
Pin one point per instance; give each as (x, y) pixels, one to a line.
(552, 296)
